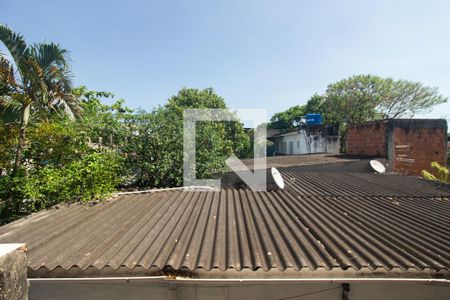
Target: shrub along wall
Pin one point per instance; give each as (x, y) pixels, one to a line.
(94, 176)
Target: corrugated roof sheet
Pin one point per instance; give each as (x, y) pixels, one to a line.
(326, 221)
(286, 161)
(362, 184)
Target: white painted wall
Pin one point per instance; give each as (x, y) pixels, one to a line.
(246, 291)
(300, 142)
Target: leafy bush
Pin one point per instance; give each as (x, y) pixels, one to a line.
(94, 176)
(441, 173)
(56, 143)
(8, 141)
(15, 194)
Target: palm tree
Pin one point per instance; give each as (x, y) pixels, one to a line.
(41, 85)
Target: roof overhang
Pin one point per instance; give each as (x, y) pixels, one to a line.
(237, 281)
(305, 274)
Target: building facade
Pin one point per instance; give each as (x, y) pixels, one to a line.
(303, 141)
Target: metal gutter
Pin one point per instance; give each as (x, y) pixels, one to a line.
(183, 280)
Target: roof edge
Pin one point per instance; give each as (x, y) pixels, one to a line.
(245, 274)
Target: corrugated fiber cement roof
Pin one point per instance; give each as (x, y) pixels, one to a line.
(322, 221)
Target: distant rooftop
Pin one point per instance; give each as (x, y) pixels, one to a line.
(305, 160)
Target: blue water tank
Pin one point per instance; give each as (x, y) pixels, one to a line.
(314, 119)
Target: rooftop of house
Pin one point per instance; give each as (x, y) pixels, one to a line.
(312, 162)
(285, 132)
(321, 225)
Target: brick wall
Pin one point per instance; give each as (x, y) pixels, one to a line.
(367, 140)
(409, 145)
(414, 150)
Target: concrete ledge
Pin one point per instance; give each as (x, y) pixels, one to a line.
(417, 124)
(13, 272)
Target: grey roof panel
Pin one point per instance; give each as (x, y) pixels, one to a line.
(362, 184)
(327, 221)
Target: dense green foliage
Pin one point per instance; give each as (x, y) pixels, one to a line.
(62, 144)
(60, 163)
(157, 146)
(8, 140)
(287, 119)
(108, 147)
(316, 105)
(92, 177)
(353, 100)
(291, 117)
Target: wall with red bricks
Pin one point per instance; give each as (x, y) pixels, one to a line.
(410, 145)
(414, 150)
(367, 140)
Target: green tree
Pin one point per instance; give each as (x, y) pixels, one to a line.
(287, 119)
(104, 125)
(404, 99)
(354, 100)
(158, 139)
(316, 105)
(43, 84)
(363, 98)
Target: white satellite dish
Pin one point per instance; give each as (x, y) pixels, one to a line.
(277, 178)
(377, 166)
